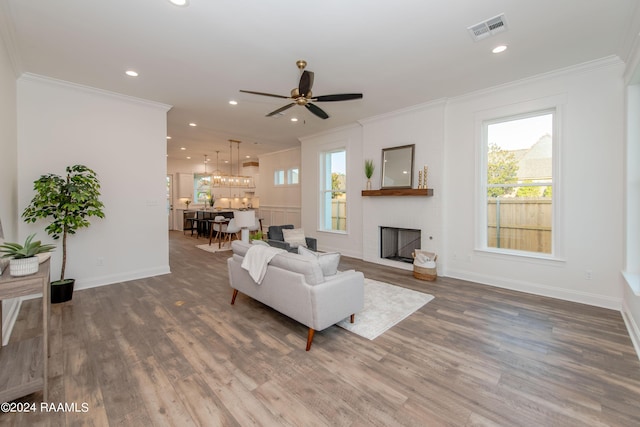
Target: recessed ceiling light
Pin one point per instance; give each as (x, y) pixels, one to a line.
(168, 137)
(193, 124)
(179, 2)
(293, 119)
(188, 157)
(183, 148)
(499, 49)
(226, 161)
(131, 73)
(232, 102)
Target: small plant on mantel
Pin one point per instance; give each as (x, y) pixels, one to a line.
(369, 167)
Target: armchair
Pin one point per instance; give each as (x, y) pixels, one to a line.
(275, 238)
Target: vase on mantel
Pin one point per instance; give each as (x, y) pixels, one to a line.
(368, 185)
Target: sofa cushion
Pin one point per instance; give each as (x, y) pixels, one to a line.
(328, 260)
(294, 237)
(309, 268)
(275, 231)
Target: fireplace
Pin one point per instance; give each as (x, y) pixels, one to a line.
(398, 243)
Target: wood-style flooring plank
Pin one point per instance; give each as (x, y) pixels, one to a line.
(172, 351)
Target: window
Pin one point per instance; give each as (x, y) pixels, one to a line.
(333, 191)
(278, 177)
(201, 188)
(518, 177)
(292, 176)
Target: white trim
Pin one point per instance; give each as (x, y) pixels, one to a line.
(12, 316)
(8, 35)
(414, 108)
(537, 289)
(633, 281)
(632, 327)
(339, 129)
(585, 67)
(552, 104)
(89, 89)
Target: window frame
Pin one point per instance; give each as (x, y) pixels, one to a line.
(535, 108)
(323, 191)
(279, 173)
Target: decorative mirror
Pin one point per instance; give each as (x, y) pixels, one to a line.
(397, 167)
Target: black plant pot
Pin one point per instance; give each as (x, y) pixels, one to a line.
(62, 290)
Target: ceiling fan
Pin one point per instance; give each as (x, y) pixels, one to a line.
(302, 95)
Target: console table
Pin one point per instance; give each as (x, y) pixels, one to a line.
(25, 363)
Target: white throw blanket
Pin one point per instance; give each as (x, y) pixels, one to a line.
(256, 259)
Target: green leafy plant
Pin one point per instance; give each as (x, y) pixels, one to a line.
(67, 201)
(28, 250)
(369, 167)
(257, 236)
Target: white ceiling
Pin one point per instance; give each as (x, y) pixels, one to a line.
(397, 53)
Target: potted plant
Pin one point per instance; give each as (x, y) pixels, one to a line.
(23, 258)
(369, 167)
(68, 202)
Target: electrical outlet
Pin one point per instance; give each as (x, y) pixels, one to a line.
(588, 274)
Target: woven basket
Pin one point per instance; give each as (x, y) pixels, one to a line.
(424, 273)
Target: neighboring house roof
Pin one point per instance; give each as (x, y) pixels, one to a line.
(535, 163)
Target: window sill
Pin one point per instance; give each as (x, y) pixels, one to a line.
(333, 231)
(633, 281)
(521, 256)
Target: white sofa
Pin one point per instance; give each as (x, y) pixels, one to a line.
(295, 286)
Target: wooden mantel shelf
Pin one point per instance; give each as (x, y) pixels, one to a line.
(427, 192)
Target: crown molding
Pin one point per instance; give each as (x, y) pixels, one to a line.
(8, 36)
(606, 62)
(88, 89)
(331, 131)
(441, 102)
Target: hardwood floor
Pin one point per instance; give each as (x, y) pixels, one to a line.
(171, 350)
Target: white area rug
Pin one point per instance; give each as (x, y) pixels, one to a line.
(384, 306)
(214, 247)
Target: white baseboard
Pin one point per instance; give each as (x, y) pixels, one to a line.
(11, 316)
(118, 278)
(538, 289)
(632, 327)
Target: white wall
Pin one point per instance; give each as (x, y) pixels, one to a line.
(631, 296)
(281, 204)
(349, 244)
(8, 170)
(423, 126)
(591, 187)
(123, 140)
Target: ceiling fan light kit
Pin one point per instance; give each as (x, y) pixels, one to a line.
(303, 96)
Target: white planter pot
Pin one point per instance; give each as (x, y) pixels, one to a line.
(23, 266)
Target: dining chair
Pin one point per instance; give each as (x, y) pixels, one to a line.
(218, 226)
(232, 230)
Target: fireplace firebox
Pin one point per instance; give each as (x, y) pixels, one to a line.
(398, 244)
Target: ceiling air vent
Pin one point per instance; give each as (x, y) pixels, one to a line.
(488, 28)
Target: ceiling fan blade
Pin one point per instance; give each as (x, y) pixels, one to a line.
(337, 97)
(317, 111)
(280, 110)
(264, 94)
(306, 83)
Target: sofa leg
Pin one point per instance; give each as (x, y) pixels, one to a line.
(233, 298)
(310, 338)
(353, 318)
